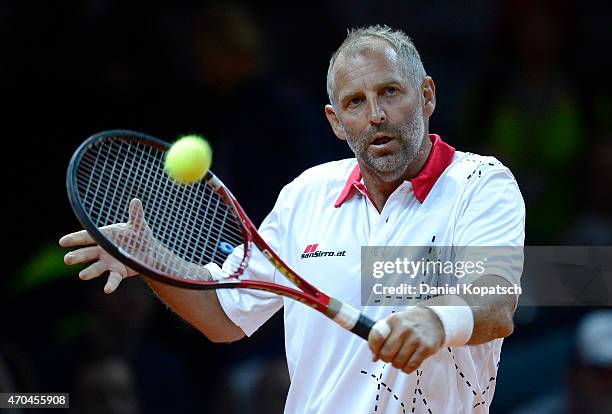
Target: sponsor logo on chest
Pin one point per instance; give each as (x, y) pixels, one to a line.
(312, 251)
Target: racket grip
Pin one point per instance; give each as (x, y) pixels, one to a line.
(363, 326)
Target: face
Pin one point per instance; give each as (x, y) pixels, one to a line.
(378, 111)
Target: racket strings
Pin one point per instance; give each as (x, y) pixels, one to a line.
(181, 227)
(207, 218)
(181, 222)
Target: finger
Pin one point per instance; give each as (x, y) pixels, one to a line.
(405, 353)
(76, 239)
(136, 213)
(417, 358)
(112, 283)
(393, 344)
(86, 254)
(379, 333)
(93, 271)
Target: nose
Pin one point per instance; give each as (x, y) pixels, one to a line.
(376, 114)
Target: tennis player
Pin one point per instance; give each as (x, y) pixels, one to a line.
(405, 187)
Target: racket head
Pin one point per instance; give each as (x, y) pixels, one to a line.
(112, 168)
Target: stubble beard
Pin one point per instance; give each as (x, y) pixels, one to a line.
(393, 166)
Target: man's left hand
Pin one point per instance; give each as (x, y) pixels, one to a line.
(415, 335)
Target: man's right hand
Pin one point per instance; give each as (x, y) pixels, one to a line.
(135, 229)
(201, 308)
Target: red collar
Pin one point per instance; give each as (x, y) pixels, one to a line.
(440, 157)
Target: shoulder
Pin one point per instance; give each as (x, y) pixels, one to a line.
(467, 165)
(484, 180)
(471, 173)
(490, 210)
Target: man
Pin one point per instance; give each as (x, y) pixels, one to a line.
(405, 187)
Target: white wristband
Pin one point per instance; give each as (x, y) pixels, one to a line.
(215, 271)
(457, 320)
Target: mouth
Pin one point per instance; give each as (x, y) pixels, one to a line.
(381, 139)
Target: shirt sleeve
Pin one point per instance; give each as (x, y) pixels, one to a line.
(490, 225)
(250, 308)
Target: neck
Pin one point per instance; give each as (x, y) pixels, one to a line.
(380, 189)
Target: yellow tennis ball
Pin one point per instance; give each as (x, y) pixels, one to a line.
(188, 159)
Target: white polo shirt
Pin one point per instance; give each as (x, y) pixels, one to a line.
(458, 199)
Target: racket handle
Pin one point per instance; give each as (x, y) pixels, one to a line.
(349, 318)
(363, 326)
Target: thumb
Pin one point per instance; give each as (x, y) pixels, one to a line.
(113, 281)
(379, 333)
(136, 213)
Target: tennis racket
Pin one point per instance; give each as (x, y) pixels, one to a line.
(170, 231)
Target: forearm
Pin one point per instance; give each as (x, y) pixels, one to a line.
(201, 308)
(493, 314)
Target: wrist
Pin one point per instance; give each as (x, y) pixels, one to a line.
(456, 318)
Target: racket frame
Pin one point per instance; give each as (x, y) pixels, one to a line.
(341, 313)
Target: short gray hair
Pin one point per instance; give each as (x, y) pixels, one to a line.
(360, 39)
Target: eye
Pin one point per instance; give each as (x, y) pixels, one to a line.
(355, 101)
(391, 90)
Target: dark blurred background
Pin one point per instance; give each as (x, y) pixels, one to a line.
(525, 81)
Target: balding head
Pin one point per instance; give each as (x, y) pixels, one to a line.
(362, 40)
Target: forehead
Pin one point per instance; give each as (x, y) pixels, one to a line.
(367, 66)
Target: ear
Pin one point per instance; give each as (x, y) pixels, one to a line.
(334, 122)
(428, 88)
